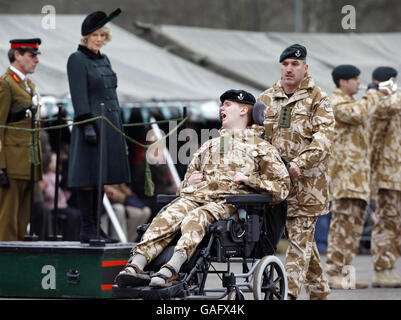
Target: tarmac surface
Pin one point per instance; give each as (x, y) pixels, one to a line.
(364, 273)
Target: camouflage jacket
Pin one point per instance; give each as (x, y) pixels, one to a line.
(306, 141)
(219, 159)
(386, 144)
(349, 165)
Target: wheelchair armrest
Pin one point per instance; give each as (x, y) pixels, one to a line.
(247, 199)
(165, 198)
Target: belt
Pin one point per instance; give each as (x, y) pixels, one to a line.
(20, 114)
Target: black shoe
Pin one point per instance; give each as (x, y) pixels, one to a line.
(106, 238)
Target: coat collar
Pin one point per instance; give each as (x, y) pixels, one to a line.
(20, 75)
(306, 83)
(89, 53)
(339, 92)
(243, 135)
(21, 82)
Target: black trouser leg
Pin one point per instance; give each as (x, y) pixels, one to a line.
(88, 224)
(102, 234)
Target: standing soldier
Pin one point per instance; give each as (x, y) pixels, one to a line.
(386, 171)
(16, 93)
(349, 169)
(299, 122)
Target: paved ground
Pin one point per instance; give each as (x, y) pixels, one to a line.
(364, 272)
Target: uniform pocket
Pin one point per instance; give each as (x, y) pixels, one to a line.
(312, 187)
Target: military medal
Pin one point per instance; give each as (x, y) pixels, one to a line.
(285, 117)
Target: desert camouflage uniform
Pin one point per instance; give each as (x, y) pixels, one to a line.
(200, 204)
(307, 143)
(386, 174)
(349, 170)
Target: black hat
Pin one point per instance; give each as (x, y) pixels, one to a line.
(295, 51)
(240, 96)
(384, 73)
(26, 44)
(344, 71)
(96, 20)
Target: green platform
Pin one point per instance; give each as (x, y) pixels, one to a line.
(60, 269)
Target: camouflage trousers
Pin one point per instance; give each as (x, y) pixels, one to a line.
(303, 265)
(386, 233)
(346, 227)
(187, 216)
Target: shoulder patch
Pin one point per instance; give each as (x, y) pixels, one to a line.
(16, 78)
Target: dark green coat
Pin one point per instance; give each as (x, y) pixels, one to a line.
(93, 82)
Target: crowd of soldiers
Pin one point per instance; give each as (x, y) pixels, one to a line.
(341, 151)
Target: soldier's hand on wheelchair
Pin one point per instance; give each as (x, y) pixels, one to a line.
(195, 178)
(240, 178)
(294, 171)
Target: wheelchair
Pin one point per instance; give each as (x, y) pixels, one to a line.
(249, 237)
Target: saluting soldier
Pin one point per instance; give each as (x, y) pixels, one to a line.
(16, 93)
(386, 176)
(299, 122)
(349, 170)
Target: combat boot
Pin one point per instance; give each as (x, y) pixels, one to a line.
(336, 282)
(386, 279)
(339, 282)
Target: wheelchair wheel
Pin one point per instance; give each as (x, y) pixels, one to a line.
(270, 280)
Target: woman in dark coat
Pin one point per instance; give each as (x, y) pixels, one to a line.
(93, 86)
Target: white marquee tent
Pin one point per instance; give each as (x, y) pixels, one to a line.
(145, 71)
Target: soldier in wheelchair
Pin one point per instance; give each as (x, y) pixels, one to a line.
(237, 164)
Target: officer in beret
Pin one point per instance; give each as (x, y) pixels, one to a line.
(93, 85)
(221, 166)
(349, 169)
(299, 122)
(386, 177)
(16, 93)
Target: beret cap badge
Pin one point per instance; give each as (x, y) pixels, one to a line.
(238, 96)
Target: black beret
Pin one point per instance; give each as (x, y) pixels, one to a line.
(384, 73)
(345, 71)
(96, 20)
(241, 96)
(31, 44)
(295, 51)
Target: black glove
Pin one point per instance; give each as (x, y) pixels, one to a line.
(373, 85)
(4, 183)
(90, 134)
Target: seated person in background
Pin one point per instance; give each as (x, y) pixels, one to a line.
(129, 209)
(70, 217)
(237, 162)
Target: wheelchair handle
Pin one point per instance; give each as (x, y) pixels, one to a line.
(247, 199)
